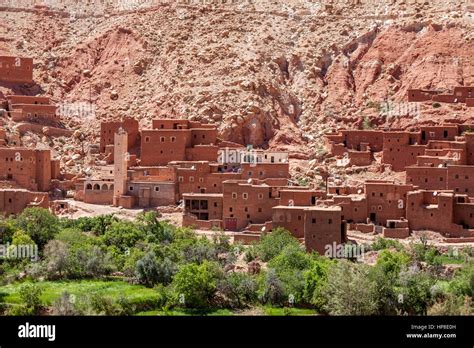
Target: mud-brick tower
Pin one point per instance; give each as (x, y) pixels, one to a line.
(120, 164)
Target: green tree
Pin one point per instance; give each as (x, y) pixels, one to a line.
(415, 292)
(7, 229)
(349, 290)
(239, 289)
(57, 259)
(392, 262)
(150, 270)
(315, 279)
(462, 283)
(273, 243)
(197, 284)
(39, 224)
(291, 257)
(290, 265)
(123, 234)
(273, 289)
(155, 230)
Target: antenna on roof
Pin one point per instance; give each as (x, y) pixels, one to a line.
(249, 181)
(435, 193)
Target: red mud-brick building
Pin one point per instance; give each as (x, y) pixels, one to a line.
(320, 226)
(386, 200)
(178, 140)
(461, 94)
(33, 109)
(108, 129)
(14, 201)
(30, 169)
(16, 69)
(203, 210)
(174, 158)
(445, 212)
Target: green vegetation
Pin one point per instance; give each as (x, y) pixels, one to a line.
(366, 124)
(105, 266)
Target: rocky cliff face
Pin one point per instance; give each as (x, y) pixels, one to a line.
(272, 74)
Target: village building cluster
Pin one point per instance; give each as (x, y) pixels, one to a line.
(438, 194)
(227, 186)
(463, 95)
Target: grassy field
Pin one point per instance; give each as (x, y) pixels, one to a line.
(184, 312)
(136, 294)
(52, 290)
(273, 311)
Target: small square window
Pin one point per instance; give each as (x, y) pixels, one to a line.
(157, 188)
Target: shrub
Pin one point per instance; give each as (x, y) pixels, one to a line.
(415, 292)
(250, 254)
(30, 300)
(200, 251)
(366, 124)
(383, 243)
(97, 224)
(463, 281)
(452, 305)
(392, 263)
(221, 242)
(130, 261)
(64, 305)
(273, 243)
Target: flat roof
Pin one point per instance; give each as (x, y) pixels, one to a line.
(152, 182)
(299, 207)
(204, 195)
